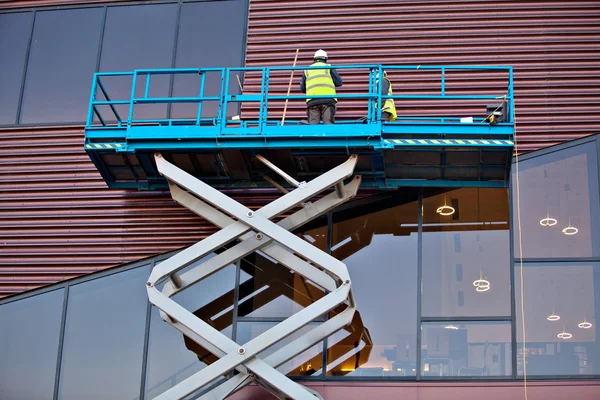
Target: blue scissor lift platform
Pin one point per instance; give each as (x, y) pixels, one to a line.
(220, 148)
(318, 168)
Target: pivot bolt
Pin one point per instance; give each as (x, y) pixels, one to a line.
(259, 236)
(250, 214)
(241, 350)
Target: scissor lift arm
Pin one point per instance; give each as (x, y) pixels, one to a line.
(254, 231)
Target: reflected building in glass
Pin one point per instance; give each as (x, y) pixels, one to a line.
(461, 292)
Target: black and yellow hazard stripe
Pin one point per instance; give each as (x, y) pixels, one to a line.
(449, 142)
(102, 146)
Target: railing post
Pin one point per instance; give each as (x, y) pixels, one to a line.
(90, 115)
(201, 95)
(266, 103)
(379, 110)
(369, 90)
(147, 89)
(262, 98)
(511, 94)
(225, 96)
(131, 102)
(443, 81)
(222, 102)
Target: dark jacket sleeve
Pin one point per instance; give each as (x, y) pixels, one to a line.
(337, 79)
(385, 87)
(303, 83)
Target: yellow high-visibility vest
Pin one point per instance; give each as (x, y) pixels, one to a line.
(319, 82)
(389, 105)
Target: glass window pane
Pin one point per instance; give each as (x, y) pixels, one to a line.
(173, 357)
(139, 37)
(270, 289)
(15, 29)
(199, 47)
(306, 363)
(380, 251)
(466, 254)
(562, 308)
(560, 209)
(465, 349)
(62, 61)
(29, 335)
(103, 345)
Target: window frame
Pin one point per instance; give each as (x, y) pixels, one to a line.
(105, 5)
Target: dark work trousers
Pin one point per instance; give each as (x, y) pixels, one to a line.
(324, 112)
(385, 116)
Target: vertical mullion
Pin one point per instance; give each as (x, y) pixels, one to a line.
(596, 268)
(328, 249)
(101, 41)
(61, 339)
(25, 67)
(419, 281)
(174, 58)
(146, 345)
(513, 305)
(598, 167)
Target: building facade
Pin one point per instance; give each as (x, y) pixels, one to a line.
(422, 328)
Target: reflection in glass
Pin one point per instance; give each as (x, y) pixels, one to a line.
(560, 216)
(466, 349)
(565, 345)
(270, 289)
(198, 23)
(62, 61)
(173, 357)
(140, 36)
(15, 29)
(380, 251)
(466, 255)
(306, 363)
(103, 344)
(29, 335)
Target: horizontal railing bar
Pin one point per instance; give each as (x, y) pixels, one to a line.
(374, 96)
(107, 103)
(376, 66)
(284, 68)
(162, 71)
(174, 99)
(129, 73)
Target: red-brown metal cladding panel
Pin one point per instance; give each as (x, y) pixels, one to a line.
(554, 47)
(59, 220)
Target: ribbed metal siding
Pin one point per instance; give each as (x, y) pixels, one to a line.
(59, 220)
(554, 47)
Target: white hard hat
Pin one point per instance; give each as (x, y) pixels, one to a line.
(320, 54)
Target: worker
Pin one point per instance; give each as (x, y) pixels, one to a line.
(388, 111)
(320, 82)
